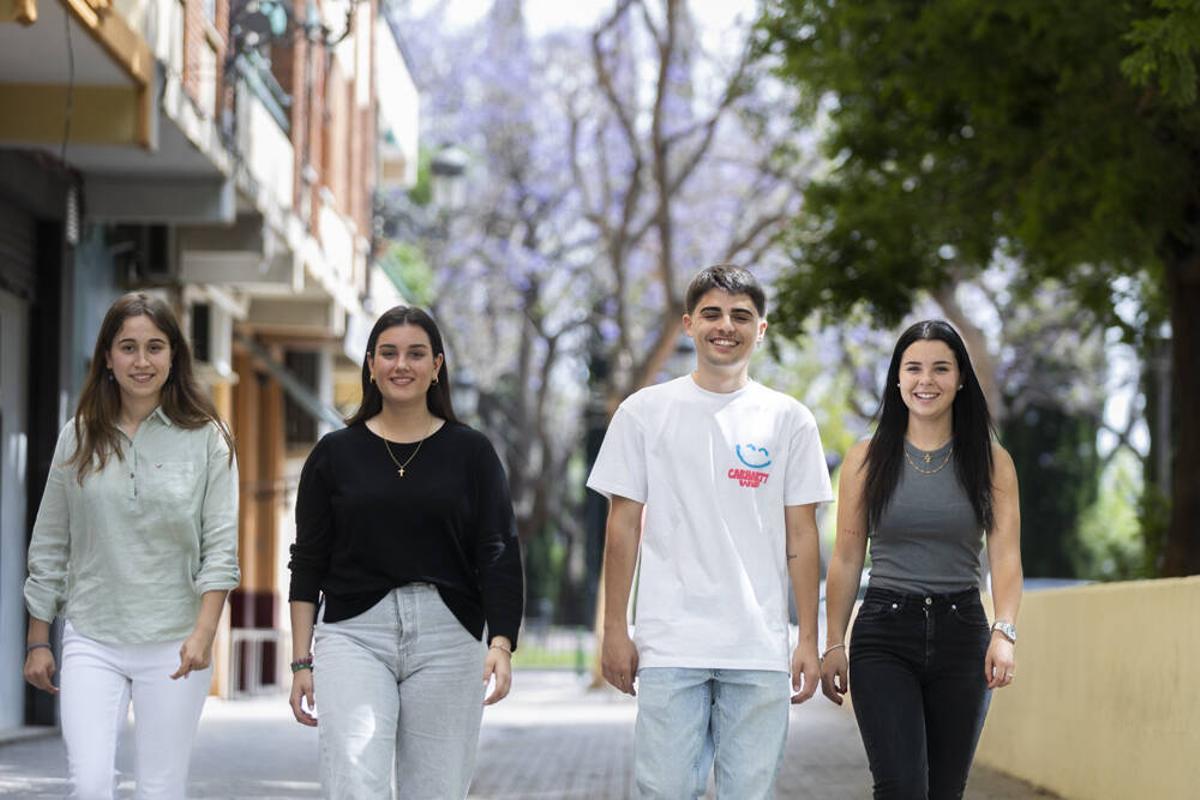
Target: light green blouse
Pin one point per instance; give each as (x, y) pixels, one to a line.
(126, 555)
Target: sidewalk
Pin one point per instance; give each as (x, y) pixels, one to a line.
(556, 739)
(552, 739)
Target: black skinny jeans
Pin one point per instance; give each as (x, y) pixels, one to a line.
(916, 679)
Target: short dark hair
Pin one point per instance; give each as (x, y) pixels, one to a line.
(727, 277)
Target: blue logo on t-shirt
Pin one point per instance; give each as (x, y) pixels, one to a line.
(753, 457)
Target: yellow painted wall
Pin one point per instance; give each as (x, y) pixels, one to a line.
(1107, 698)
(22, 11)
(99, 114)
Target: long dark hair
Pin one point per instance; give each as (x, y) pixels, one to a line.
(437, 399)
(972, 429)
(181, 399)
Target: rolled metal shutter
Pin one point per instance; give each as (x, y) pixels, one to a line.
(17, 233)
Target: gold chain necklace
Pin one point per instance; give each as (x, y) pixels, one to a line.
(400, 467)
(928, 458)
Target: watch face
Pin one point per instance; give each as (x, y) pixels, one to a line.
(1007, 629)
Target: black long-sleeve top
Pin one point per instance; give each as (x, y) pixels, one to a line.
(362, 530)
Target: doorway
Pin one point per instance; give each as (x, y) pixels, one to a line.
(14, 396)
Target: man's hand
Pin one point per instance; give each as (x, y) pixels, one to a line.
(806, 670)
(619, 660)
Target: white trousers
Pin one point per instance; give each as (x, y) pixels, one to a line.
(98, 682)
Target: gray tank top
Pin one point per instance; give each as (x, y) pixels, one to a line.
(927, 540)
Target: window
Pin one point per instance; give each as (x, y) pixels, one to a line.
(201, 332)
(300, 429)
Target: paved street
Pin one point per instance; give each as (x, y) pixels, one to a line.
(552, 738)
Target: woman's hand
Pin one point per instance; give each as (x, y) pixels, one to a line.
(302, 690)
(39, 669)
(1000, 666)
(498, 665)
(835, 674)
(195, 653)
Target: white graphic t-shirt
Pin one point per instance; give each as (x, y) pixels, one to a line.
(715, 472)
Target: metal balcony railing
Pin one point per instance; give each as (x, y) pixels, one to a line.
(255, 661)
(256, 72)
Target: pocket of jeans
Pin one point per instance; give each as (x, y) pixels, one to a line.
(970, 614)
(876, 609)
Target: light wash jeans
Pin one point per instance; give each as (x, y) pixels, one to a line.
(98, 681)
(733, 721)
(399, 691)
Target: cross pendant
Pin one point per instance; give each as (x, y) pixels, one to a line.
(928, 460)
(401, 470)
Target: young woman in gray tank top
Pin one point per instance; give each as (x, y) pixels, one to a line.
(925, 489)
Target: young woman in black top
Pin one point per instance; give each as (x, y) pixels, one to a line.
(404, 523)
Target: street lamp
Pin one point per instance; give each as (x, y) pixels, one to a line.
(397, 217)
(449, 168)
(466, 394)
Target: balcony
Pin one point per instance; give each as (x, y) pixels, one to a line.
(399, 107)
(267, 160)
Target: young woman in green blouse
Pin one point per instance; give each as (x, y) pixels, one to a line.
(135, 549)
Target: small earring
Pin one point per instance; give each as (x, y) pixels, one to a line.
(435, 380)
(371, 378)
(110, 375)
(960, 386)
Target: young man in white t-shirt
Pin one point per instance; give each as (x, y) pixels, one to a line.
(728, 474)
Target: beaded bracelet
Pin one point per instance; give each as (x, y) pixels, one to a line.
(302, 663)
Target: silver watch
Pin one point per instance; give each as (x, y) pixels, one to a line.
(1007, 630)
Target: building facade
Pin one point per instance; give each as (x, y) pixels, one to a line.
(224, 154)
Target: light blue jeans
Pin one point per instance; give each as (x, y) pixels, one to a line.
(399, 693)
(733, 721)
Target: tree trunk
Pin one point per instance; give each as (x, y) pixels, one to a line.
(981, 358)
(1182, 552)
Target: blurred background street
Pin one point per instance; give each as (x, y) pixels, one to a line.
(544, 177)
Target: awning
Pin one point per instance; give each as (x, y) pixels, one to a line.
(109, 90)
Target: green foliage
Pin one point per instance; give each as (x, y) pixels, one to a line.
(406, 267)
(962, 128)
(543, 558)
(535, 653)
(1167, 44)
(422, 193)
(1154, 511)
(1055, 454)
(1060, 133)
(1111, 546)
(801, 369)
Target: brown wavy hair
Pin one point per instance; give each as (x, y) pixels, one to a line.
(181, 399)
